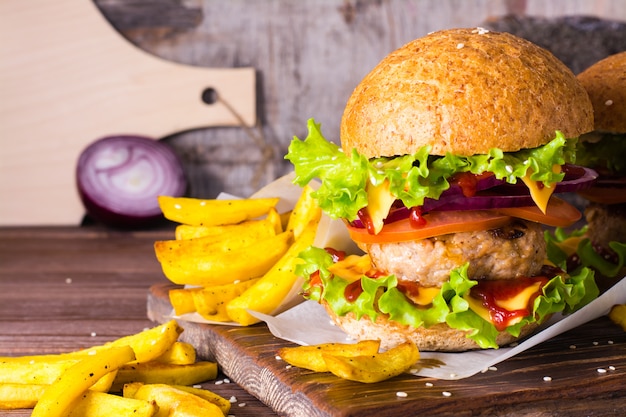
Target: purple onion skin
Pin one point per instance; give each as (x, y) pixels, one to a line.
(108, 165)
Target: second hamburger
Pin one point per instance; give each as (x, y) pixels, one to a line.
(451, 150)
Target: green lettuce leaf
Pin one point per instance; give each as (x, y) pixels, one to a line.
(587, 255)
(381, 296)
(411, 177)
(608, 152)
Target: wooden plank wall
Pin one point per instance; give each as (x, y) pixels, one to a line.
(311, 54)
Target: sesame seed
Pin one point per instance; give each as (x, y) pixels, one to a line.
(288, 367)
(453, 375)
(401, 394)
(509, 169)
(595, 343)
(601, 371)
(226, 381)
(68, 280)
(460, 45)
(446, 394)
(480, 31)
(278, 358)
(93, 334)
(493, 368)
(608, 103)
(219, 382)
(429, 384)
(232, 399)
(610, 342)
(572, 346)
(547, 378)
(197, 386)
(242, 404)
(611, 368)
(177, 206)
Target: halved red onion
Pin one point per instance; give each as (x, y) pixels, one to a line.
(120, 177)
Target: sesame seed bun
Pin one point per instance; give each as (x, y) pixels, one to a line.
(464, 91)
(439, 337)
(605, 81)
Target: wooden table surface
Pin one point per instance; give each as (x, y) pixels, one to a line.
(67, 288)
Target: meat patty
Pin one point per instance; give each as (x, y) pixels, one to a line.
(518, 249)
(607, 223)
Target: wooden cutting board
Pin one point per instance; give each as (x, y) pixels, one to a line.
(68, 78)
(578, 373)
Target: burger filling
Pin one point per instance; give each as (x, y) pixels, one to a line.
(483, 308)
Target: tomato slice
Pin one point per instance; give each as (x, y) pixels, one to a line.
(605, 195)
(437, 223)
(559, 213)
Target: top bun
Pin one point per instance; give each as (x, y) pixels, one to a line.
(605, 81)
(464, 91)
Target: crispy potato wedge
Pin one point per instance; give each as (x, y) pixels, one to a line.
(270, 290)
(165, 373)
(273, 220)
(220, 268)
(180, 353)
(100, 404)
(311, 357)
(59, 396)
(199, 212)
(373, 368)
(175, 402)
(211, 302)
(618, 315)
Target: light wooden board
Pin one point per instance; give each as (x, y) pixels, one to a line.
(516, 387)
(68, 78)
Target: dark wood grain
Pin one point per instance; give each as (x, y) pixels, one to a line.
(516, 388)
(68, 288)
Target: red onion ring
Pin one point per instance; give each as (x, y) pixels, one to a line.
(120, 177)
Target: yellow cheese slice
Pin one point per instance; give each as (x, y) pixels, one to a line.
(539, 192)
(520, 300)
(379, 201)
(352, 268)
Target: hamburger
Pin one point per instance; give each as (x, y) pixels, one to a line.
(452, 149)
(604, 150)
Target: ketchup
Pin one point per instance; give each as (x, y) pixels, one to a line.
(490, 291)
(353, 290)
(416, 218)
(466, 181)
(365, 218)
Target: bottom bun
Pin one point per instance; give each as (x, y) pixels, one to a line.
(439, 337)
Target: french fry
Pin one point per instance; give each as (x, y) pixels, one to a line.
(100, 404)
(618, 315)
(210, 396)
(211, 302)
(175, 402)
(182, 300)
(311, 357)
(373, 368)
(221, 268)
(59, 396)
(271, 289)
(16, 395)
(166, 250)
(305, 211)
(148, 344)
(165, 373)
(273, 221)
(180, 353)
(199, 212)
(26, 370)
